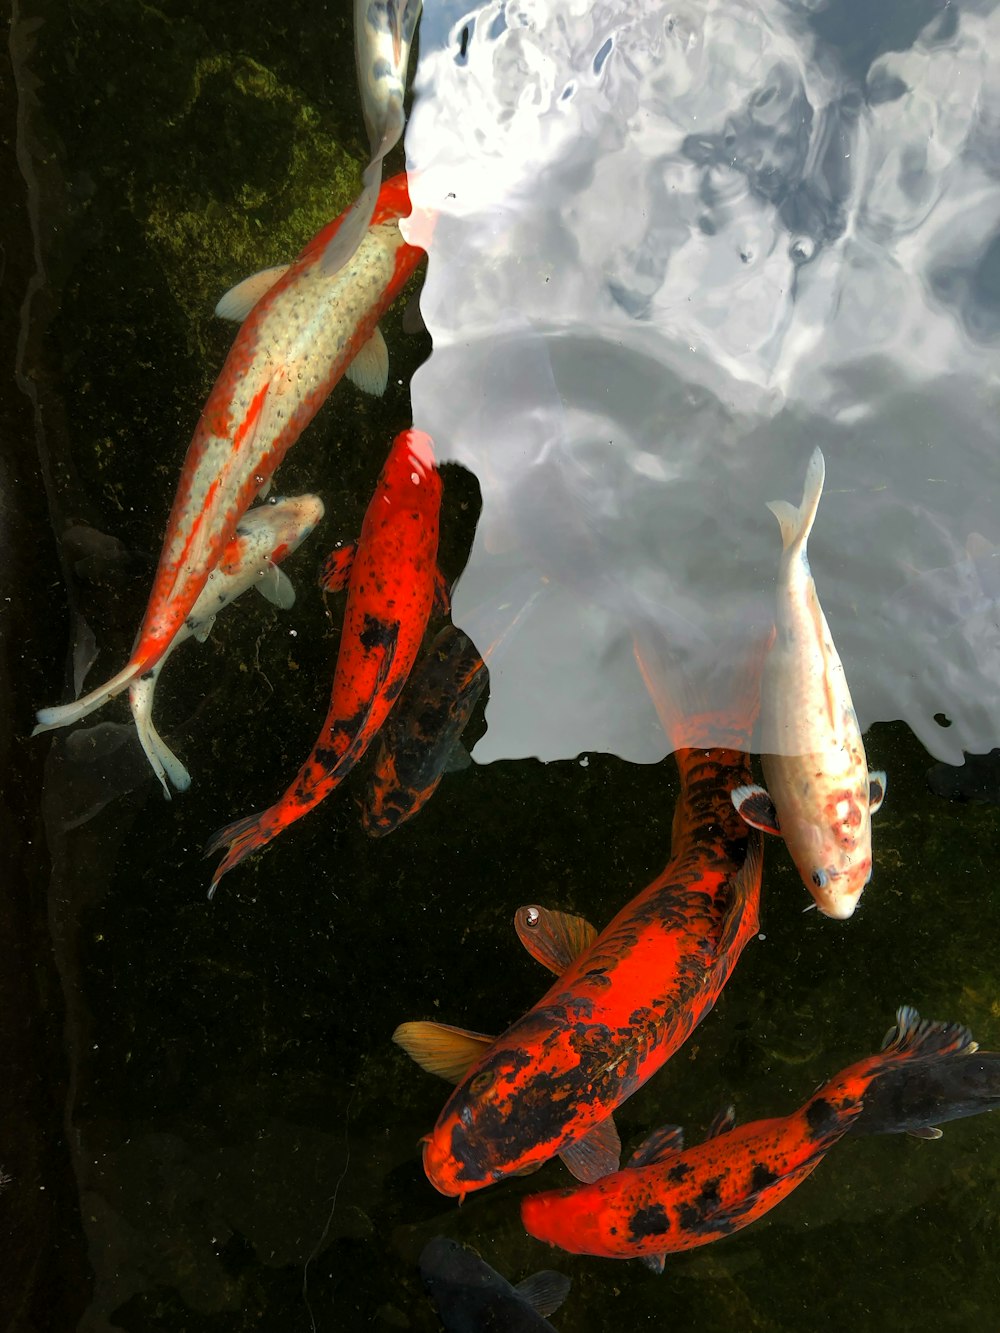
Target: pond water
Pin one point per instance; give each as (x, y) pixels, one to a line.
(675, 248)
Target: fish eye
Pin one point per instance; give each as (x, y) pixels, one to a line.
(820, 878)
(482, 1082)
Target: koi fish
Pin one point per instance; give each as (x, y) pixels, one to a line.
(421, 738)
(392, 579)
(264, 537)
(670, 1198)
(624, 1001)
(822, 795)
(303, 329)
(471, 1296)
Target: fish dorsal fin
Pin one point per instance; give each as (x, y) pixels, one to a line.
(654, 1262)
(241, 299)
(370, 368)
(796, 524)
(876, 790)
(755, 807)
(337, 567)
(723, 1122)
(664, 1142)
(597, 1154)
(441, 1049)
(554, 939)
(916, 1036)
(275, 585)
(926, 1132)
(746, 886)
(544, 1291)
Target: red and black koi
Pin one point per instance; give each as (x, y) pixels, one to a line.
(305, 326)
(392, 578)
(626, 1001)
(422, 736)
(670, 1198)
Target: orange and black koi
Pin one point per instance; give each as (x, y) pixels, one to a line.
(391, 578)
(421, 738)
(625, 1002)
(670, 1198)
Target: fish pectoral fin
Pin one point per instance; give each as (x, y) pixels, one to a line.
(597, 1154)
(443, 1050)
(369, 370)
(654, 1262)
(204, 629)
(544, 1291)
(276, 587)
(664, 1142)
(241, 299)
(554, 939)
(458, 759)
(442, 594)
(746, 882)
(876, 790)
(755, 807)
(723, 1122)
(337, 567)
(926, 1132)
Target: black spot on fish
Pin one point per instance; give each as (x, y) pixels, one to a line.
(148, 675)
(821, 1117)
(377, 634)
(761, 1177)
(708, 1196)
(651, 1221)
(679, 1172)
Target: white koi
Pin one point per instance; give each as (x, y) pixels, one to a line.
(822, 795)
(264, 537)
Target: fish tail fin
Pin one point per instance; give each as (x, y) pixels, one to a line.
(64, 715)
(162, 759)
(712, 702)
(243, 837)
(796, 524)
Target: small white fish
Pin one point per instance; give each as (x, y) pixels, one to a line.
(822, 795)
(264, 537)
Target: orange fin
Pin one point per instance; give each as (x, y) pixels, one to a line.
(337, 567)
(662, 1143)
(597, 1154)
(554, 939)
(441, 1049)
(746, 885)
(723, 1122)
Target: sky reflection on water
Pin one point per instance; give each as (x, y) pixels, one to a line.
(729, 233)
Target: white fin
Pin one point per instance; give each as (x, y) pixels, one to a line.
(241, 299)
(370, 368)
(204, 630)
(66, 714)
(276, 586)
(162, 759)
(265, 490)
(796, 524)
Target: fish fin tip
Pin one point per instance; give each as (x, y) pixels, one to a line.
(276, 587)
(241, 299)
(554, 939)
(914, 1037)
(796, 523)
(64, 715)
(369, 371)
(927, 1132)
(336, 568)
(667, 1141)
(755, 807)
(723, 1122)
(597, 1154)
(877, 782)
(544, 1291)
(654, 1262)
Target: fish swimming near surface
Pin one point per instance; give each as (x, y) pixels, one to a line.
(303, 329)
(421, 740)
(624, 1001)
(472, 1297)
(392, 580)
(264, 537)
(670, 1198)
(820, 795)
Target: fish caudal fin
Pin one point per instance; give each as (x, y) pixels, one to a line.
(714, 706)
(243, 837)
(796, 524)
(162, 759)
(64, 715)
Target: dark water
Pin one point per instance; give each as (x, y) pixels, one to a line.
(203, 1120)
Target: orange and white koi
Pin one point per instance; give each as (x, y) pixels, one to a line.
(670, 1198)
(392, 578)
(820, 795)
(265, 536)
(304, 328)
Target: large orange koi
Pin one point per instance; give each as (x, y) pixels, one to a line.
(304, 327)
(670, 1198)
(391, 577)
(626, 1000)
